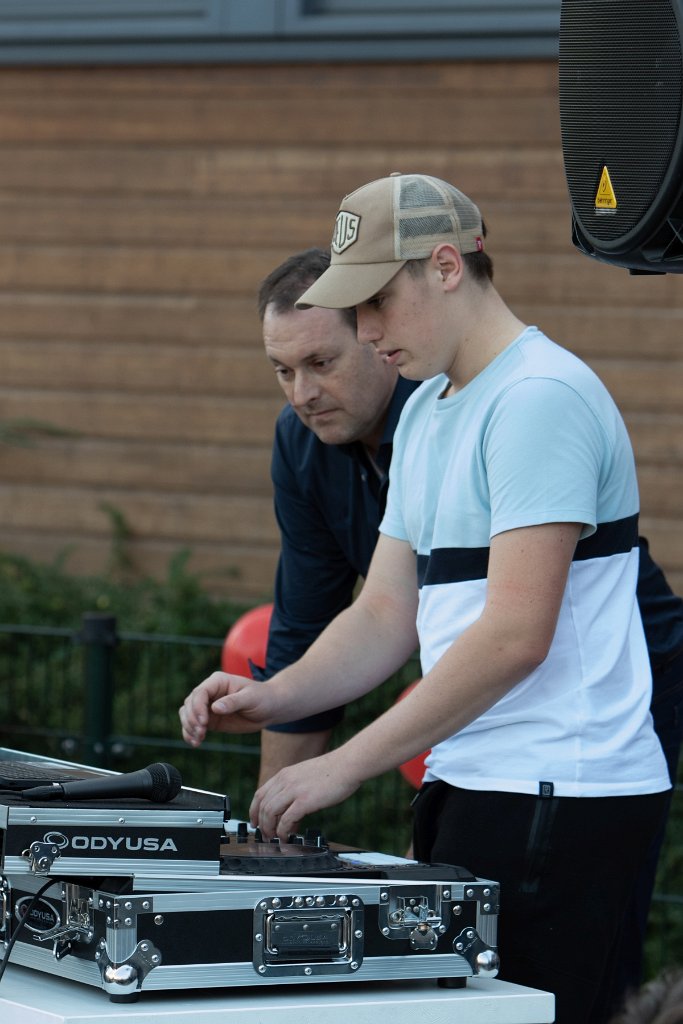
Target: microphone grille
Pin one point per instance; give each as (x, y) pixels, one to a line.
(166, 782)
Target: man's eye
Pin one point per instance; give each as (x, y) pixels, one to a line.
(282, 371)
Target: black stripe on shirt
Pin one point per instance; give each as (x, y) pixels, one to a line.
(457, 565)
(452, 565)
(609, 539)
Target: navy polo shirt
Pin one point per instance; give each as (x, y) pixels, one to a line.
(329, 500)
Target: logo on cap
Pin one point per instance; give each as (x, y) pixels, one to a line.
(345, 231)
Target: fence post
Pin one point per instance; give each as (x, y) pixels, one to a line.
(99, 637)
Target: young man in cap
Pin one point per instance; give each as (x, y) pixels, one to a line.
(331, 456)
(509, 551)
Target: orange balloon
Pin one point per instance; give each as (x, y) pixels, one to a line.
(412, 770)
(247, 640)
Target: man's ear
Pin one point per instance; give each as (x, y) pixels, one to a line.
(448, 261)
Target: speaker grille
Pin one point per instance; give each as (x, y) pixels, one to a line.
(620, 108)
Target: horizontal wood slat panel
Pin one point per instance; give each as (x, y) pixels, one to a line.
(613, 331)
(666, 541)
(374, 119)
(222, 320)
(137, 269)
(192, 468)
(575, 279)
(183, 518)
(675, 579)
(527, 79)
(157, 369)
(642, 384)
(239, 420)
(661, 493)
(235, 171)
(141, 208)
(656, 437)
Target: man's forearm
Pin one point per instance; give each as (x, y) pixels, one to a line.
(280, 749)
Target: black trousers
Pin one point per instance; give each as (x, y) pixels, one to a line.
(566, 868)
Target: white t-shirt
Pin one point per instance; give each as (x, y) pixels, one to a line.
(535, 438)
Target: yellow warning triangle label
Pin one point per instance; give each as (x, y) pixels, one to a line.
(605, 198)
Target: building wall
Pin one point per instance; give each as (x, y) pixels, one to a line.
(141, 206)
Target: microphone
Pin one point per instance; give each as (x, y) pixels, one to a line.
(158, 782)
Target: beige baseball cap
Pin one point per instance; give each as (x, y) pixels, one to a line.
(382, 225)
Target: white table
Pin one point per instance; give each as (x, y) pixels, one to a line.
(31, 997)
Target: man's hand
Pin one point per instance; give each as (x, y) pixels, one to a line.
(225, 703)
(280, 804)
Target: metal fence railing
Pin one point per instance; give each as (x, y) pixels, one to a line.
(100, 697)
(111, 699)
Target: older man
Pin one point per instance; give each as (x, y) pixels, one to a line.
(331, 455)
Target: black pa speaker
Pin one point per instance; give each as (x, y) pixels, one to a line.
(620, 86)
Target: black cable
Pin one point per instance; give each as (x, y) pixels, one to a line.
(31, 904)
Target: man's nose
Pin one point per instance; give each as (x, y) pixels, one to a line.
(304, 390)
(367, 328)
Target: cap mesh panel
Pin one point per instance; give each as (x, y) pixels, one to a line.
(419, 194)
(420, 224)
(416, 227)
(468, 217)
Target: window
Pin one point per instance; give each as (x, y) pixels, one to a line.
(126, 31)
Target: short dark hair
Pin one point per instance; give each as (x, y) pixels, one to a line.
(480, 264)
(289, 281)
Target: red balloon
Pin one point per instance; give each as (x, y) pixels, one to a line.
(247, 641)
(412, 770)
